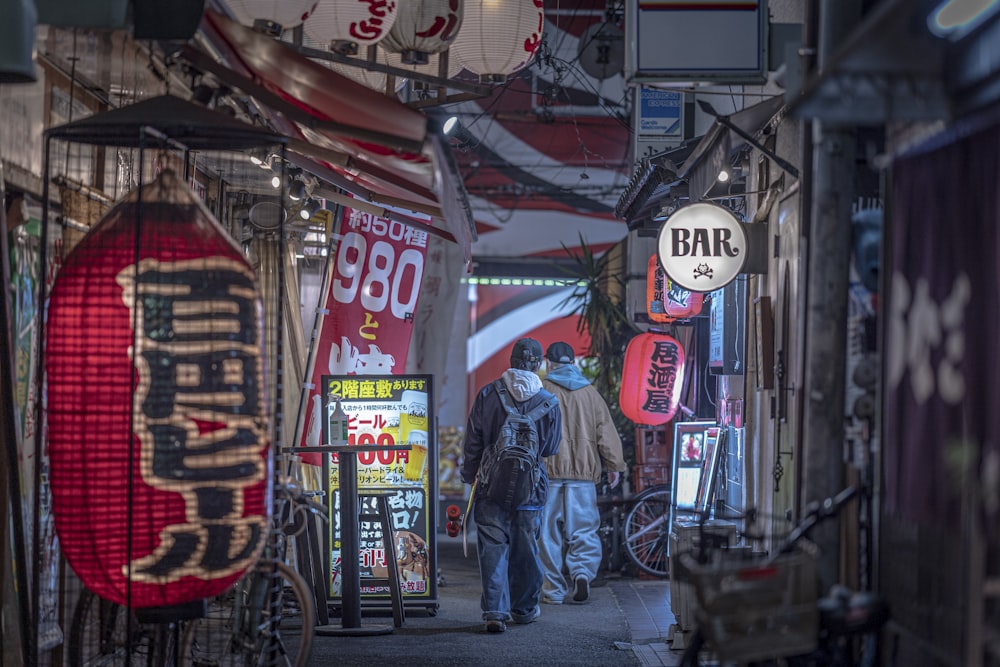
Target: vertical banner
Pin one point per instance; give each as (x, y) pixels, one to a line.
(365, 321)
(388, 410)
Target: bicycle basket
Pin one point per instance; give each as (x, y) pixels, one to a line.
(750, 611)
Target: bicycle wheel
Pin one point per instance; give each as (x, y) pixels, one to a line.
(103, 634)
(647, 529)
(266, 619)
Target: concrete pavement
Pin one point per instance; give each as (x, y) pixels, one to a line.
(624, 623)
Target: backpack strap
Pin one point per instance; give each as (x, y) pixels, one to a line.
(542, 409)
(505, 397)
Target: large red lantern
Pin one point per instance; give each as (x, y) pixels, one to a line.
(157, 422)
(665, 300)
(651, 379)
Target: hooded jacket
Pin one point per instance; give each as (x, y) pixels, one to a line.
(590, 442)
(488, 415)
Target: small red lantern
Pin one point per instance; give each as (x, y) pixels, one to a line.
(157, 422)
(651, 379)
(665, 300)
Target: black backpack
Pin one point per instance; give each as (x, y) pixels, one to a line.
(511, 466)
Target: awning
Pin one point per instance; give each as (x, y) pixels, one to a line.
(371, 145)
(890, 68)
(727, 134)
(158, 122)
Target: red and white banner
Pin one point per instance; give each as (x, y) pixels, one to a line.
(366, 317)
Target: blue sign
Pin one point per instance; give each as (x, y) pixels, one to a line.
(660, 112)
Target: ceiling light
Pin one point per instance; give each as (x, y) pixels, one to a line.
(450, 125)
(309, 209)
(723, 176)
(276, 181)
(297, 189)
(258, 156)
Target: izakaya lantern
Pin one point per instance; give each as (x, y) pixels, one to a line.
(424, 27)
(665, 300)
(271, 16)
(498, 37)
(345, 26)
(157, 422)
(651, 379)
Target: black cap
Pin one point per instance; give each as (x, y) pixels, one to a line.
(560, 352)
(526, 349)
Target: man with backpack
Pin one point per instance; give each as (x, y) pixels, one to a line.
(514, 423)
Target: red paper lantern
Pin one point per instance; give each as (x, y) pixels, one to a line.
(651, 379)
(157, 435)
(665, 300)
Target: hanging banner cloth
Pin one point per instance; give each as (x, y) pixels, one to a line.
(365, 323)
(377, 148)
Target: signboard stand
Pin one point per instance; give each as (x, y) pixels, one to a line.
(350, 620)
(390, 457)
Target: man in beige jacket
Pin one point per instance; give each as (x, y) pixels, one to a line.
(570, 546)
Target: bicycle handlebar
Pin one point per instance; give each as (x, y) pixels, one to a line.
(816, 512)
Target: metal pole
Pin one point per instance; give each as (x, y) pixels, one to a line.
(829, 244)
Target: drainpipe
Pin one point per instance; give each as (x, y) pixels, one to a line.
(828, 247)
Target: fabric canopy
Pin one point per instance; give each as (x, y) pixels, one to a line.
(381, 149)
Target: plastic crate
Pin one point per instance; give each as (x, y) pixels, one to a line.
(654, 445)
(749, 610)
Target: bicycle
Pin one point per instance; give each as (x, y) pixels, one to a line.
(104, 634)
(249, 624)
(647, 531)
(754, 610)
(611, 507)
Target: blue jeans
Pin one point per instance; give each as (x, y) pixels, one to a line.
(508, 561)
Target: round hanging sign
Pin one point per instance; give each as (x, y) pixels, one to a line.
(702, 247)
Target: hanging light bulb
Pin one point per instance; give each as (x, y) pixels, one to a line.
(346, 26)
(498, 37)
(422, 28)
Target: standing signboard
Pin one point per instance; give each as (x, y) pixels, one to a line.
(388, 410)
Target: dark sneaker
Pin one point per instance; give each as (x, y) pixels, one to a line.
(496, 626)
(581, 589)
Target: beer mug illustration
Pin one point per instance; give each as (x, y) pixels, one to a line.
(416, 457)
(413, 431)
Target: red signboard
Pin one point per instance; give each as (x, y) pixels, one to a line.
(665, 300)
(366, 320)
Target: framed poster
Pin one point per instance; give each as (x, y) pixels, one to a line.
(715, 442)
(388, 410)
(693, 443)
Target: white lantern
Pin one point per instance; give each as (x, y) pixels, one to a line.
(347, 25)
(423, 27)
(498, 37)
(271, 16)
